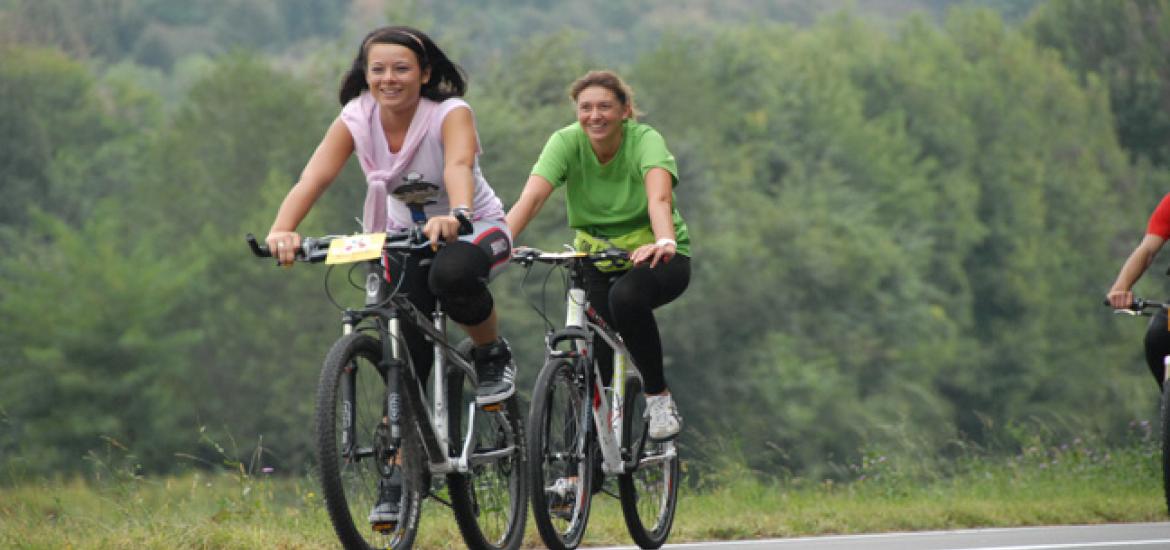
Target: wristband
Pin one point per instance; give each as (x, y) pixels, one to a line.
(664, 242)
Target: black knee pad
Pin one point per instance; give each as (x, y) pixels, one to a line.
(470, 310)
(459, 269)
(459, 275)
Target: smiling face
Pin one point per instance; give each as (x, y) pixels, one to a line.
(394, 76)
(600, 113)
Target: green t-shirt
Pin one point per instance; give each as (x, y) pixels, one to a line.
(609, 200)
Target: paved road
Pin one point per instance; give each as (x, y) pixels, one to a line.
(1128, 536)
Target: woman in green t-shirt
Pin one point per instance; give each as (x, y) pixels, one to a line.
(619, 183)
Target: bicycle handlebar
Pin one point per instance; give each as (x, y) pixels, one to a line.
(527, 256)
(1139, 306)
(316, 249)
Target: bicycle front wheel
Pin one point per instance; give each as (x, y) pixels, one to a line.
(1165, 413)
(649, 493)
(560, 455)
(490, 502)
(353, 447)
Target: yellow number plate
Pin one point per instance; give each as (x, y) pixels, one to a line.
(355, 248)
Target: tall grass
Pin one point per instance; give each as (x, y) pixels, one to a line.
(241, 505)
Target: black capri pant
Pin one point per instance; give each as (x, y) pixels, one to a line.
(1157, 345)
(627, 301)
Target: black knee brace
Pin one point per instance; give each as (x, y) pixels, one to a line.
(459, 275)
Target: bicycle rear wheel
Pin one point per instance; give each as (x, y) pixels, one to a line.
(490, 502)
(352, 447)
(649, 494)
(560, 455)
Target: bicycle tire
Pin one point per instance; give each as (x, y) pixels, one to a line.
(559, 451)
(649, 494)
(490, 502)
(1164, 410)
(349, 484)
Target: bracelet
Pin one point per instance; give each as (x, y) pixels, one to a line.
(462, 211)
(664, 242)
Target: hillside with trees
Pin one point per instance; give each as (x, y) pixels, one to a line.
(904, 213)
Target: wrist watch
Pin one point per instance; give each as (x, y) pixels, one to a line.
(462, 211)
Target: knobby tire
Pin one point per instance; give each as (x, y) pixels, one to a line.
(558, 448)
(490, 502)
(649, 494)
(349, 484)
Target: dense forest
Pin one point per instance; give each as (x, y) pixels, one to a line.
(905, 214)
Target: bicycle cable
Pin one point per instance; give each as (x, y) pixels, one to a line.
(549, 327)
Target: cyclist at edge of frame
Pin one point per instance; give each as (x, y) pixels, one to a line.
(619, 180)
(1157, 341)
(403, 115)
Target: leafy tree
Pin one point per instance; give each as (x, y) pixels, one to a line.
(94, 345)
(1123, 43)
(63, 147)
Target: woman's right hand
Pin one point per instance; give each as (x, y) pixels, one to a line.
(1120, 299)
(283, 245)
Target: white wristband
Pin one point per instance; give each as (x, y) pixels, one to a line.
(664, 242)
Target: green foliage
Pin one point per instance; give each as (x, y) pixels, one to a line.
(94, 344)
(158, 33)
(900, 231)
(61, 149)
(1124, 44)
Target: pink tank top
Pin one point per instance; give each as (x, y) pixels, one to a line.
(422, 153)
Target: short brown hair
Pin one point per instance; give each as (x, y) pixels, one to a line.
(610, 81)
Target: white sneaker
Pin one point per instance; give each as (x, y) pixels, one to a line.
(665, 421)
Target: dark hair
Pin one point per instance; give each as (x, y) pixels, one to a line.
(447, 79)
(610, 81)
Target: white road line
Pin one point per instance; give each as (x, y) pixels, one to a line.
(1100, 544)
(915, 534)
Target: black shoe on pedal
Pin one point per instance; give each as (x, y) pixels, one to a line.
(496, 372)
(388, 508)
(598, 474)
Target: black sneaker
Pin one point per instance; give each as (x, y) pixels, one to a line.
(496, 372)
(598, 474)
(388, 508)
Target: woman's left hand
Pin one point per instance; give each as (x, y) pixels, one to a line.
(441, 228)
(653, 253)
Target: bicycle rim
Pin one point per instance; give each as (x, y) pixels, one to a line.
(559, 458)
(351, 447)
(490, 502)
(649, 494)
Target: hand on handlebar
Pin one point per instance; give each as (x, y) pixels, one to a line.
(441, 228)
(653, 253)
(1120, 299)
(284, 246)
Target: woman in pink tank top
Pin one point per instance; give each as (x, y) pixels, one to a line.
(402, 117)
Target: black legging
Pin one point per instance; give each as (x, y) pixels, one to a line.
(458, 274)
(626, 301)
(1157, 345)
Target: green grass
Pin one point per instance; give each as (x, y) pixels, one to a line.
(235, 509)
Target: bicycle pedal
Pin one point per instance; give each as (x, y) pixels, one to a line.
(385, 526)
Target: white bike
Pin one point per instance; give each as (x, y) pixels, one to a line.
(581, 430)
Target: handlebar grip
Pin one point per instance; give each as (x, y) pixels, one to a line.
(260, 250)
(1137, 305)
(465, 226)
